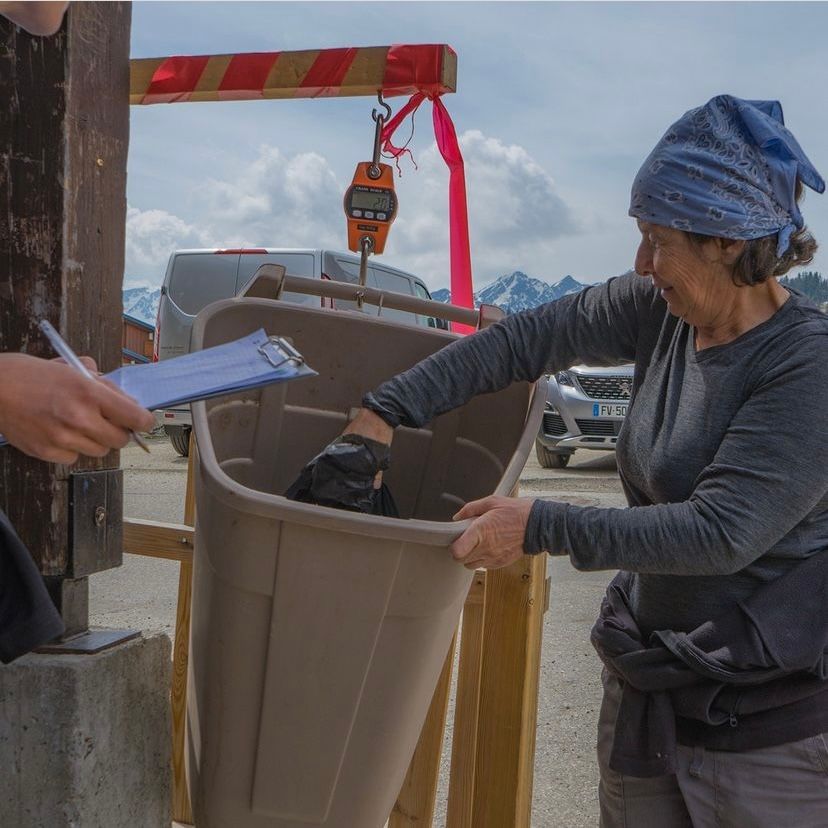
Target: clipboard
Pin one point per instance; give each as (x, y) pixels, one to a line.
(250, 362)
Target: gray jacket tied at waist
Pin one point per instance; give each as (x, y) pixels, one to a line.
(756, 657)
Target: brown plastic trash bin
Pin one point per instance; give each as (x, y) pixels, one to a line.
(318, 635)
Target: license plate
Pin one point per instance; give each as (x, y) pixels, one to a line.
(609, 410)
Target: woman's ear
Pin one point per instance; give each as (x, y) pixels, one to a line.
(730, 250)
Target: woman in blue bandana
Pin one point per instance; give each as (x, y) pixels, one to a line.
(715, 631)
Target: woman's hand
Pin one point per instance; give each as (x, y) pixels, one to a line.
(495, 538)
(50, 411)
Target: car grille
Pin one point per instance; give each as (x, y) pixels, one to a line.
(553, 424)
(606, 388)
(600, 428)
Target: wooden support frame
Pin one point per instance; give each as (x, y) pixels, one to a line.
(497, 684)
(493, 746)
(507, 703)
(310, 73)
(182, 810)
(174, 542)
(466, 709)
(418, 795)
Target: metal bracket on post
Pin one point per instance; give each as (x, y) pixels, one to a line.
(96, 543)
(96, 512)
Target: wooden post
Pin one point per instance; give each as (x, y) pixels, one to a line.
(460, 809)
(182, 810)
(64, 130)
(418, 795)
(510, 668)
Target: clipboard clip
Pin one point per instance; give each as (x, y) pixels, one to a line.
(278, 351)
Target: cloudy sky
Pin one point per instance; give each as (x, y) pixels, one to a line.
(557, 105)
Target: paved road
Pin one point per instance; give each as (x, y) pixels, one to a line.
(142, 594)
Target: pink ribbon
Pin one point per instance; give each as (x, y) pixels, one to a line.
(462, 292)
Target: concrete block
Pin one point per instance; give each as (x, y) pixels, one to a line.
(85, 739)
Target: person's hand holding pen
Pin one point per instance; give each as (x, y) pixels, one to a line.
(50, 411)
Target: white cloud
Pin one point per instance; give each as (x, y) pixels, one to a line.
(582, 91)
(277, 201)
(515, 211)
(151, 235)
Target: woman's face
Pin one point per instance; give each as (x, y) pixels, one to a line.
(692, 283)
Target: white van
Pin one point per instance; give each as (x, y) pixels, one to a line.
(195, 278)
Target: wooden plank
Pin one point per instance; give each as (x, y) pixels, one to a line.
(477, 590)
(505, 749)
(182, 811)
(173, 541)
(464, 736)
(63, 197)
(415, 803)
(288, 77)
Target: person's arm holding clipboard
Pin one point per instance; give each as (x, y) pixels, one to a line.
(52, 411)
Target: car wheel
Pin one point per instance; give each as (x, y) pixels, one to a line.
(560, 461)
(551, 459)
(180, 439)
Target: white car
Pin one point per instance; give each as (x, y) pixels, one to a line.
(585, 408)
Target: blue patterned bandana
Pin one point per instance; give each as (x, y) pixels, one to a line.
(727, 169)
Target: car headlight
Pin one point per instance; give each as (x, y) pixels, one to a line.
(565, 378)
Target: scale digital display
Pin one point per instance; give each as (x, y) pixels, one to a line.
(371, 201)
(370, 205)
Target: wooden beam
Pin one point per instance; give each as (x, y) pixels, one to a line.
(182, 810)
(173, 541)
(460, 808)
(505, 744)
(415, 804)
(298, 74)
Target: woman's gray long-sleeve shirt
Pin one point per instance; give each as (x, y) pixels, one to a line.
(723, 454)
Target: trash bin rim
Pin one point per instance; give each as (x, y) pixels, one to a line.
(278, 507)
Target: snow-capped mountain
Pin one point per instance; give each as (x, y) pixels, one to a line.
(517, 291)
(142, 303)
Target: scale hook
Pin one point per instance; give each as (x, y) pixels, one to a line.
(375, 115)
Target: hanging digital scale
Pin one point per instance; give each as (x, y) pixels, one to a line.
(370, 202)
(370, 206)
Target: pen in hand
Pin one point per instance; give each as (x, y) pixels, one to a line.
(63, 350)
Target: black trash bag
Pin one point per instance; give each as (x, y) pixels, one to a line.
(342, 476)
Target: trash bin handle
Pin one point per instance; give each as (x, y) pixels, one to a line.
(270, 281)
